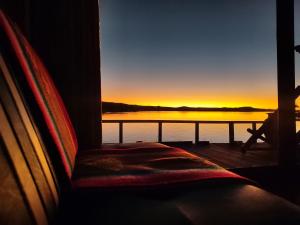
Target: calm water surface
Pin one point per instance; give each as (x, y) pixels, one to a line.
(216, 133)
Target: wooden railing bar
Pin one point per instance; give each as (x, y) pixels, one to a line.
(120, 132)
(253, 126)
(160, 132)
(196, 122)
(254, 129)
(231, 132)
(182, 121)
(196, 133)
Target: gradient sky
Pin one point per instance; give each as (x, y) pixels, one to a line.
(209, 53)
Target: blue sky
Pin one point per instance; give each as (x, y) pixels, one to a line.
(191, 52)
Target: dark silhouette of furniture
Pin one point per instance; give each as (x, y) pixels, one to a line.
(268, 131)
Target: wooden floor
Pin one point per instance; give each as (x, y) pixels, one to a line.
(258, 164)
(231, 157)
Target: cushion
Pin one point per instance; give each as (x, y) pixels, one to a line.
(144, 166)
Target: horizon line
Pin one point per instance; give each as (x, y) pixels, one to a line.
(192, 107)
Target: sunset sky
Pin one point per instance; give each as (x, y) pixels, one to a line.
(209, 53)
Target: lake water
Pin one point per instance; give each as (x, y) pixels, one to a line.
(216, 133)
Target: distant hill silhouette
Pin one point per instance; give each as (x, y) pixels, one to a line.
(121, 107)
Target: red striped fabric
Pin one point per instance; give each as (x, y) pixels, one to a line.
(167, 178)
(145, 168)
(45, 93)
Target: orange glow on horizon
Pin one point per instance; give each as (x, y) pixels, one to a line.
(234, 91)
(257, 103)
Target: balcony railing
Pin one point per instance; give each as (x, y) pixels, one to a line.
(197, 123)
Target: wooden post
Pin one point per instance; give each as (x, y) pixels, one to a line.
(254, 129)
(159, 131)
(66, 36)
(231, 132)
(286, 83)
(254, 126)
(196, 133)
(121, 132)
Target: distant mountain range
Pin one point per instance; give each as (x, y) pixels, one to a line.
(121, 107)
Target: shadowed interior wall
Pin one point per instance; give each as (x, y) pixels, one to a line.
(66, 36)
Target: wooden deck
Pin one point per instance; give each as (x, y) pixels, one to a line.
(258, 164)
(230, 156)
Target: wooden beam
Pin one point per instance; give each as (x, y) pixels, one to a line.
(254, 129)
(159, 131)
(231, 132)
(286, 83)
(196, 133)
(121, 132)
(66, 36)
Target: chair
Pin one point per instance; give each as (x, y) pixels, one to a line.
(268, 131)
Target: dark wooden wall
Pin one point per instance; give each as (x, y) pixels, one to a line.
(66, 36)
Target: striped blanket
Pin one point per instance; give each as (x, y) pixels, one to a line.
(144, 166)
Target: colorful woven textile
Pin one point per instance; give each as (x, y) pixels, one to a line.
(45, 93)
(143, 167)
